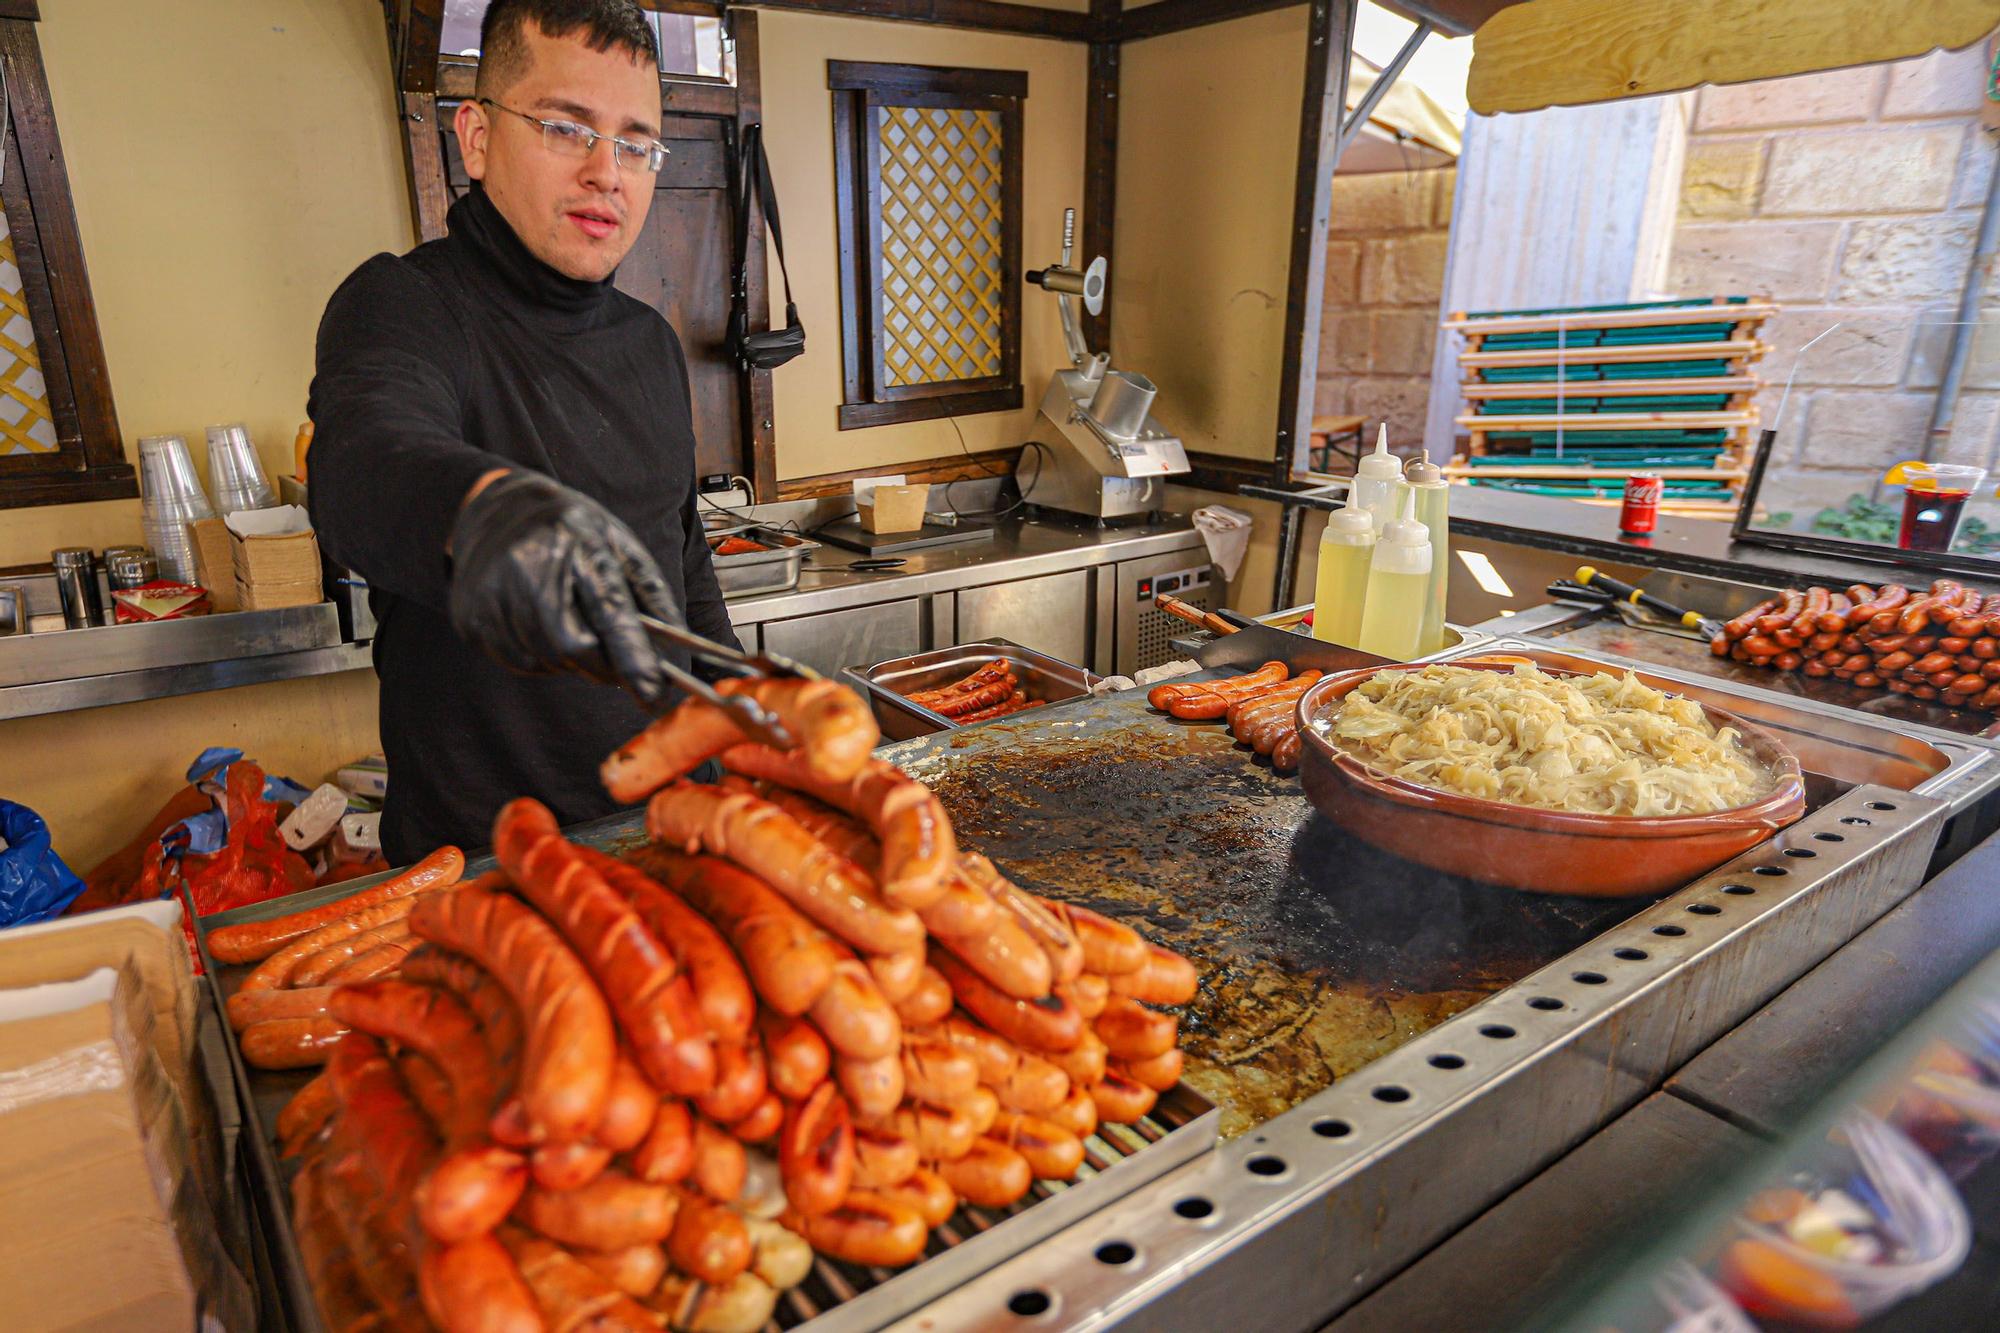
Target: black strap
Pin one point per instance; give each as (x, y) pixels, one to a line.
(757, 179)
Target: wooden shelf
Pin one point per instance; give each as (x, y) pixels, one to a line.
(1711, 384)
(1587, 421)
(1565, 472)
(1570, 356)
(1612, 319)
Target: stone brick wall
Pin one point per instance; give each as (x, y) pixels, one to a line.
(1384, 276)
(1850, 196)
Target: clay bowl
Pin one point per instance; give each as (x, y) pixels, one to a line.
(1521, 847)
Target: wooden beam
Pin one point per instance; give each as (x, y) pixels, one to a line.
(854, 75)
(21, 9)
(1329, 43)
(936, 471)
(1100, 166)
(1571, 52)
(982, 15)
(1165, 16)
(417, 38)
(760, 417)
(423, 160)
(54, 226)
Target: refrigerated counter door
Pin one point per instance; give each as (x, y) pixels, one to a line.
(1050, 614)
(834, 639)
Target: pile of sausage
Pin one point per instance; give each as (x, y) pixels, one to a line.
(621, 1094)
(735, 546)
(992, 691)
(1941, 645)
(281, 1011)
(1261, 708)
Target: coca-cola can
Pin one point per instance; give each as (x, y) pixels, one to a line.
(1641, 512)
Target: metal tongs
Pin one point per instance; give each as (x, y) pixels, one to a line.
(757, 722)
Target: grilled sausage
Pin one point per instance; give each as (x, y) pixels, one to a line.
(929, 1002)
(611, 1212)
(924, 1192)
(1120, 1100)
(817, 1151)
(1159, 1073)
(570, 1044)
(789, 959)
(667, 1154)
(1166, 978)
(1271, 673)
(1050, 1024)
(867, 1229)
(739, 1082)
(882, 1159)
(852, 1015)
(249, 941)
(1133, 1032)
(291, 1043)
(796, 1056)
(873, 1088)
(720, 1164)
(721, 989)
(709, 1241)
(988, 1175)
(1052, 1152)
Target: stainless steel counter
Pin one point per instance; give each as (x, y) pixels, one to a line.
(1072, 592)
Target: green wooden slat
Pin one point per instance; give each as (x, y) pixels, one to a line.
(1600, 309)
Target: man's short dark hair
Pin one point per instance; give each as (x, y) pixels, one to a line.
(605, 25)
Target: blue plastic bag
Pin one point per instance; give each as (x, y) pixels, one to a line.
(35, 885)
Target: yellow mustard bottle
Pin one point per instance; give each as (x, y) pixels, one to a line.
(1399, 577)
(1341, 586)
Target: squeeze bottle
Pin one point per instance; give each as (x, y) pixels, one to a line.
(1341, 585)
(1399, 578)
(1378, 482)
(1426, 481)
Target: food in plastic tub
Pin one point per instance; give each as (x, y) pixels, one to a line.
(1950, 1107)
(1867, 1221)
(1689, 1303)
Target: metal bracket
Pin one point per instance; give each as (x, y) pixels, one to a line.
(1352, 125)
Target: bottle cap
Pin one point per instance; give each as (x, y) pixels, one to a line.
(1406, 530)
(1350, 525)
(1380, 465)
(1405, 544)
(1423, 472)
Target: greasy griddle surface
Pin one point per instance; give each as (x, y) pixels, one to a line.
(1318, 954)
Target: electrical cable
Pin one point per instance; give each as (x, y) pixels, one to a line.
(1021, 499)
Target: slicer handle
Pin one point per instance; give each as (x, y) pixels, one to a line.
(1069, 234)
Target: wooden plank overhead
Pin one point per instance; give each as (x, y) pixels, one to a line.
(1570, 52)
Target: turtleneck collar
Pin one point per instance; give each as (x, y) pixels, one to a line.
(485, 231)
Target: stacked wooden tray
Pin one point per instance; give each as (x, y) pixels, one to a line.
(1572, 401)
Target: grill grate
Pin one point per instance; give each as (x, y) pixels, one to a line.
(832, 1284)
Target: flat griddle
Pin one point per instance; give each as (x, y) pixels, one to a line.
(1318, 953)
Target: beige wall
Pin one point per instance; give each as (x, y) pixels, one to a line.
(798, 111)
(1207, 152)
(1851, 196)
(231, 161)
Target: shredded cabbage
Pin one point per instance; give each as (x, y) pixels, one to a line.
(1600, 744)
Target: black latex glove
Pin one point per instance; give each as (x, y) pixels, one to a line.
(545, 579)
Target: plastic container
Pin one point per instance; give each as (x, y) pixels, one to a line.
(235, 472)
(1950, 1106)
(1865, 1170)
(173, 499)
(1378, 482)
(1433, 495)
(1340, 589)
(1934, 497)
(1399, 584)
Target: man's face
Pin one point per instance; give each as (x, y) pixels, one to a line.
(578, 215)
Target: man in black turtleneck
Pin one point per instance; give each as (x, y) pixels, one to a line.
(503, 443)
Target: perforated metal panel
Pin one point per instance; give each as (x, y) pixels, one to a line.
(1143, 630)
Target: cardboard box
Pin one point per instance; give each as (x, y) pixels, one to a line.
(275, 558)
(93, 1160)
(146, 937)
(894, 508)
(215, 567)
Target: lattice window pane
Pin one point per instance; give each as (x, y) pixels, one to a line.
(941, 272)
(27, 425)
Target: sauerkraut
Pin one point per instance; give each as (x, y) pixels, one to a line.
(1600, 744)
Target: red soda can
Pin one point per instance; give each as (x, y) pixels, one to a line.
(1641, 512)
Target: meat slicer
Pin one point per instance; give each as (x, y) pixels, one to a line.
(1102, 454)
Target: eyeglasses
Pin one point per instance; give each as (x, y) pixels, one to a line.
(573, 140)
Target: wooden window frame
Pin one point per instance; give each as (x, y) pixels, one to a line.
(860, 90)
(89, 461)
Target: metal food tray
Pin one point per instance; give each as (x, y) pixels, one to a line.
(775, 570)
(888, 684)
(835, 1297)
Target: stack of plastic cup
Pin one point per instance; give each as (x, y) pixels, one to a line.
(173, 499)
(234, 472)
